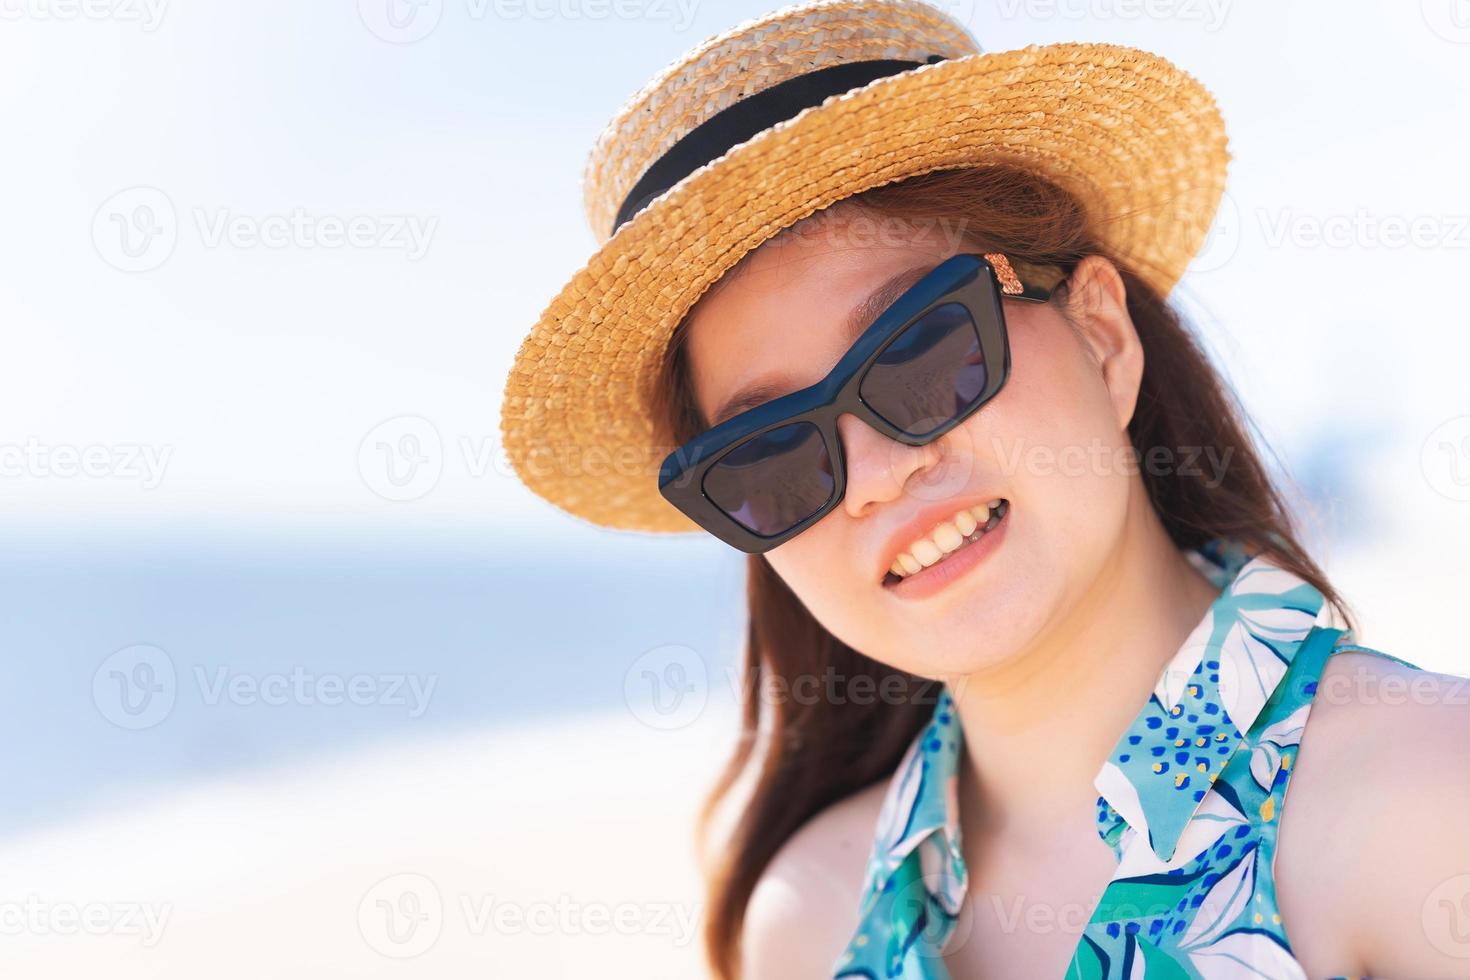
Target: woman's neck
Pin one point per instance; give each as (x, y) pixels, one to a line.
(1038, 727)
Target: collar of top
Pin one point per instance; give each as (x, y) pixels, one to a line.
(1158, 773)
(920, 810)
(1206, 698)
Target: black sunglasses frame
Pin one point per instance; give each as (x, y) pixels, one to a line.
(978, 282)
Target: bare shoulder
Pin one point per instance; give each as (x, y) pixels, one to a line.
(1373, 829)
(804, 908)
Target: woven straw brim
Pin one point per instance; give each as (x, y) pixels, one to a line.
(1140, 142)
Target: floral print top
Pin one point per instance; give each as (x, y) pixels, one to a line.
(1190, 801)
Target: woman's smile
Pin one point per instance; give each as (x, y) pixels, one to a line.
(951, 549)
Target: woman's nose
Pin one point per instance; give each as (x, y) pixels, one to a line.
(880, 469)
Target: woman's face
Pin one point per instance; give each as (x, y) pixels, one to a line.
(1048, 444)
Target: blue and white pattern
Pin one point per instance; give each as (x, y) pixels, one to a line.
(1190, 800)
(915, 881)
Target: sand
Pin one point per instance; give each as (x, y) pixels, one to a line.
(553, 850)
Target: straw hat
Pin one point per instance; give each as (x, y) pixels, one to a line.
(782, 116)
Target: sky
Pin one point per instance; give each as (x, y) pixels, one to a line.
(232, 369)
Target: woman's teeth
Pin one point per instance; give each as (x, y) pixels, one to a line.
(948, 537)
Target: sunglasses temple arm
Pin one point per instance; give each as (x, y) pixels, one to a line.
(1012, 286)
(1031, 294)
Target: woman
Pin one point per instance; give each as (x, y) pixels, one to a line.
(1033, 642)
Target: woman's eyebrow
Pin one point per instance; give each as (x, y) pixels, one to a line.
(861, 317)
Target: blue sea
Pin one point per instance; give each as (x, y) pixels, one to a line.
(139, 660)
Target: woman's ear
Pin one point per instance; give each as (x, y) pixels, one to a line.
(1097, 307)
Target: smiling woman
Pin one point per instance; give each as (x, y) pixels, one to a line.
(894, 315)
(1088, 554)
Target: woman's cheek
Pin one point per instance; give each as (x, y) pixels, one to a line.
(817, 567)
(1053, 438)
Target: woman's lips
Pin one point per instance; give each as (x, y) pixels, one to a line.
(935, 577)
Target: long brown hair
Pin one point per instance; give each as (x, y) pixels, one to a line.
(797, 756)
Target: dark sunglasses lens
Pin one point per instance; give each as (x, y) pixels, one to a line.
(930, 373)
(774, 481)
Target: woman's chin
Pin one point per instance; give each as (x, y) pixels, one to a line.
(985, 633)
(963, 660)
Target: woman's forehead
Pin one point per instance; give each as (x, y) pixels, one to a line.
(790, 315)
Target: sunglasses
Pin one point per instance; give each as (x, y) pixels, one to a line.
(929, 361)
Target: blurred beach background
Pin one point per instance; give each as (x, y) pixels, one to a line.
(298, 681)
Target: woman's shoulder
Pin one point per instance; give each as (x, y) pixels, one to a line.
(1374, 707)
(1383, 729)
(804, 907)
(1373, 820)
